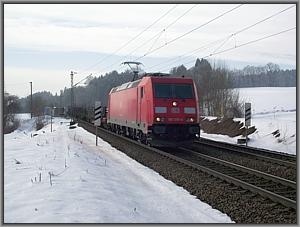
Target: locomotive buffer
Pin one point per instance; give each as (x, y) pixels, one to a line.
(97, 120)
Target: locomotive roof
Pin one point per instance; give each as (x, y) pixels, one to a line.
(126, 85)
(157, 74)
(136, 82)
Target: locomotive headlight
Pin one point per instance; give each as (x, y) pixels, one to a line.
(159, 119)
(174, 103)
(190, 119)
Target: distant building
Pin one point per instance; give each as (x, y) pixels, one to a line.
(47, 110)
(57, 111)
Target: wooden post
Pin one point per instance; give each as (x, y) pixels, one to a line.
(30, 100)
(96, 135)
(51, 119)
(246, 136)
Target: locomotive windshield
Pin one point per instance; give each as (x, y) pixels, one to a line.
(181, 91)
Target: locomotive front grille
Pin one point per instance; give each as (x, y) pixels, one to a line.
(177, 132)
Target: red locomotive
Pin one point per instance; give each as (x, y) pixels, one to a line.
(157, 110)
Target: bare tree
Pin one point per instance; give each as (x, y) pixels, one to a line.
(215, 91)
(38, 105)
(11, 106)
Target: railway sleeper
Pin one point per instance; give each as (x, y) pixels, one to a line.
(233, 187)
(269, 185)
(251, 181)
(286, 194)
(291, 192)
(238, 175)
(271, 188)
(251, 195)
(271, 204)
(232, 173)
(244, 177)
(284, 189)
(292, 197)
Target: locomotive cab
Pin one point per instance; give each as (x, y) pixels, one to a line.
(175, 112)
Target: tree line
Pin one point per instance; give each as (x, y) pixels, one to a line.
(269, 75)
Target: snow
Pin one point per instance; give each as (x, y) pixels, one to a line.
(23, 116)
(89, 184)
(272, 109)
(266, 100)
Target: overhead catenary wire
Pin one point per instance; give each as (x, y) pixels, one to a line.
(267, 18)
(157, 36)
(225, 39)
(250, 42)
(181, 36)
(177, 58)
(187, 33)
(159, 33)
(241, 45)
(131, 40)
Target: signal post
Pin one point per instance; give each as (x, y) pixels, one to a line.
(247, 118)
(97, 120)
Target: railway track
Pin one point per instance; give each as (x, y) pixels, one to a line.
(231, 153)
(277, 189)
(279, 158)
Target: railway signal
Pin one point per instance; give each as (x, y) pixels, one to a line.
(97, 120)
(248, 114)
(247, 118)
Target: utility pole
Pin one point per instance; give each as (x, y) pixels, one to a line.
(51, 117)
(30, 99)
(72, 97)
(60, 99)
(89, 77)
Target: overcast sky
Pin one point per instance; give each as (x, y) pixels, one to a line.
(44, 42)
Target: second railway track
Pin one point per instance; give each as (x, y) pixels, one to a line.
(245, 156)
(279, 158)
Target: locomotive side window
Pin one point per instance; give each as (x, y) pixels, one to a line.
(182, 91)
(142, 92)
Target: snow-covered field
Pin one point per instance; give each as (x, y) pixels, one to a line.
(272, 109)
(266, 100)
(88, 184)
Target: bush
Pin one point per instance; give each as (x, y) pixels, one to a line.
(39, 123)
(11, 126)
